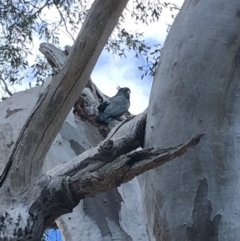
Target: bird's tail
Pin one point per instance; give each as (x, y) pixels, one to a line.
(103, 118)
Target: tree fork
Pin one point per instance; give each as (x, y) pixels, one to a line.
(59, 191)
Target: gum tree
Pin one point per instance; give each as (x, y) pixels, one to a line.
(196, 88)
(32, 194)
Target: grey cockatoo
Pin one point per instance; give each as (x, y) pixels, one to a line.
(115, 107)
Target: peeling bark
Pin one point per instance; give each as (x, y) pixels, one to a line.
(203, 228)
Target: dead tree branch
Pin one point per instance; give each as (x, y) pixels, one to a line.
(56, 101)
(100, 170)
(125, 168)
(122, 139)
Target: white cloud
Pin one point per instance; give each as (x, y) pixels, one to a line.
(110, 72)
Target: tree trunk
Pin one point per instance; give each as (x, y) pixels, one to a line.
(196, 88)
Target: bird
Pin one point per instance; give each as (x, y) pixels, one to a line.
(115, 106)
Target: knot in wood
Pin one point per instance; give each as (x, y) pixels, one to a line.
(107, 146)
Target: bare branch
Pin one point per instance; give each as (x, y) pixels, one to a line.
(6, 87)
(125, 168)
(64, 22)
(102, 168)
(124, 138)
(64, 190)
(55, 103)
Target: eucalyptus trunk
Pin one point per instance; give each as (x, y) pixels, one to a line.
(197, 88)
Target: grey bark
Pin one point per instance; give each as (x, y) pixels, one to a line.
(103, 211)
(112, 215)
(32, 199)
(48, 114)
(60, 190)
(196, 88)
(29, 147)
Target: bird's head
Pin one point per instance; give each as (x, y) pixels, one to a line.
(124, 91)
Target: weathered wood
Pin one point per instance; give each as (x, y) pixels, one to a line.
(56, 101)
(124, 169)
(63, 190)
(124, 138)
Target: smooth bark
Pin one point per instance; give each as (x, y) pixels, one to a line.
(196, 88)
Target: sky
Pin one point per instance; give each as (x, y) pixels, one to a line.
(54, 235)
(111, 71)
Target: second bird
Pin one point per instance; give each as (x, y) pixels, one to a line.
(115, 107)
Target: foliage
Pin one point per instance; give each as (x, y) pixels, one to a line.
(25, 22)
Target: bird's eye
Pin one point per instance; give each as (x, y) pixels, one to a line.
(129, 91)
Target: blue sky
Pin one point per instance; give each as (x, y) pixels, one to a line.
(53, 235)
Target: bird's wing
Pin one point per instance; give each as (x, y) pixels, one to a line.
(103, 106)
(117, 106)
